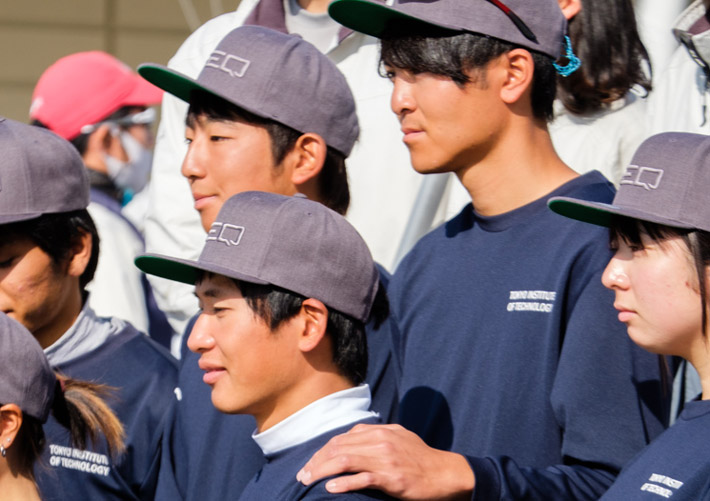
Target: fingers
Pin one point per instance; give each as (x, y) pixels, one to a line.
(362, 449)
(391, 459)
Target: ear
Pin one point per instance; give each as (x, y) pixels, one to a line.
(10, 422)
(97, 145)
(81, 254)
(308, 157)
(315, 321)
(570, 8)
(518, 67)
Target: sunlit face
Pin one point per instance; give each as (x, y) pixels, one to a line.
(249, 367)
(657, 295)
(446, 127)
(33, 289)
(226, 157)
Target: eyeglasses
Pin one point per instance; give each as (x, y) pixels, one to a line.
(145, 117)
(527, 32)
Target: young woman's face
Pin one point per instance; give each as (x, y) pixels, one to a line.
(33, 289)
(657, 295)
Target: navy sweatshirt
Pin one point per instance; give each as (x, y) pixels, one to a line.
(276, 481)
(510, 352)
(675, 466)
(144, 375)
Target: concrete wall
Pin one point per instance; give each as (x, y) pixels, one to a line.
(35, 33)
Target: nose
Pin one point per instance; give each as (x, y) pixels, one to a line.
(402, 100)
(200, 339)
(192, 164)
(614, 276)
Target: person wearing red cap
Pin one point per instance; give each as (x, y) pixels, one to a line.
(102, 107)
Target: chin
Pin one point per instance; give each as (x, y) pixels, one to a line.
(225, 405)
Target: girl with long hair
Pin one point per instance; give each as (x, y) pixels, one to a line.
(29, 391)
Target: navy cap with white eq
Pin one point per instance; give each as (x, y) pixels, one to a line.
(536, 25)
(275, 76)
(40, 173)
(667, 183)
(290, 242)
(26, 379)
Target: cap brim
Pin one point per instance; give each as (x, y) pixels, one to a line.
(373, 18)
(17, 218)
(601, 214)
(185, 270)
(177, 84)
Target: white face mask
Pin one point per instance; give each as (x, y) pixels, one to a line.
(131, 176)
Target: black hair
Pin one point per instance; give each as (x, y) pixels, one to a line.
(332, 181)
(57, 235)
(614, 60)
(274, 306)
(698, 242)
(463, 57)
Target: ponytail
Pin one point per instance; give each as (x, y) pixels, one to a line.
(79, 406)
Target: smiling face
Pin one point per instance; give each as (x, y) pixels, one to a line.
(251, 369)
(226, 157)
(657, 295)
(34, 290)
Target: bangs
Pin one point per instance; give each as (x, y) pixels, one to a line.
(630, 230)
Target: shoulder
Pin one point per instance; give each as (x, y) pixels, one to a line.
(144, 350)
(130, 352)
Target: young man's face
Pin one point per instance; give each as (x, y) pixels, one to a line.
(446, 127)
(33, 289)
(227, 157)
(249, 367)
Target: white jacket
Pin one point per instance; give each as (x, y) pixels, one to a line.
(679, 99)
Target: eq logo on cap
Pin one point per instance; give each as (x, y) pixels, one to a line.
(646, 177)
(234, 66)
(228, 234)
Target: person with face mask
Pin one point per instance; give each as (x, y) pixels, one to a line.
(104, 109)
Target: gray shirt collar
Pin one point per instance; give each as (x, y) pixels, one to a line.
(86, 334)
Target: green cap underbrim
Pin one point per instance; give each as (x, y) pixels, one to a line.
(173, 269)
(588, 212)
(374, 18)
(173, 82)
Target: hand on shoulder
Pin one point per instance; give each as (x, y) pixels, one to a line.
(392, 459)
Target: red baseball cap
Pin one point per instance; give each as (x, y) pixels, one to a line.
(84, 88)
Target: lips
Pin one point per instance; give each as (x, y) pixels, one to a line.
(625, 314)
(201, 201)
(212, 372)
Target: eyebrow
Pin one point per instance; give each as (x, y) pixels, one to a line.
(212, 292)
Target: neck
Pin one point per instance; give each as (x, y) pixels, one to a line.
(14, 486)
(315, 6)
(699, 357)
(520, 168)
(308, 390)
(70, 310)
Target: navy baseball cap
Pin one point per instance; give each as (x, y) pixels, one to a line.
(25, 376)
(667, 183)
(290, 242)
(275, 76)
(40, 173)
(536, 25)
